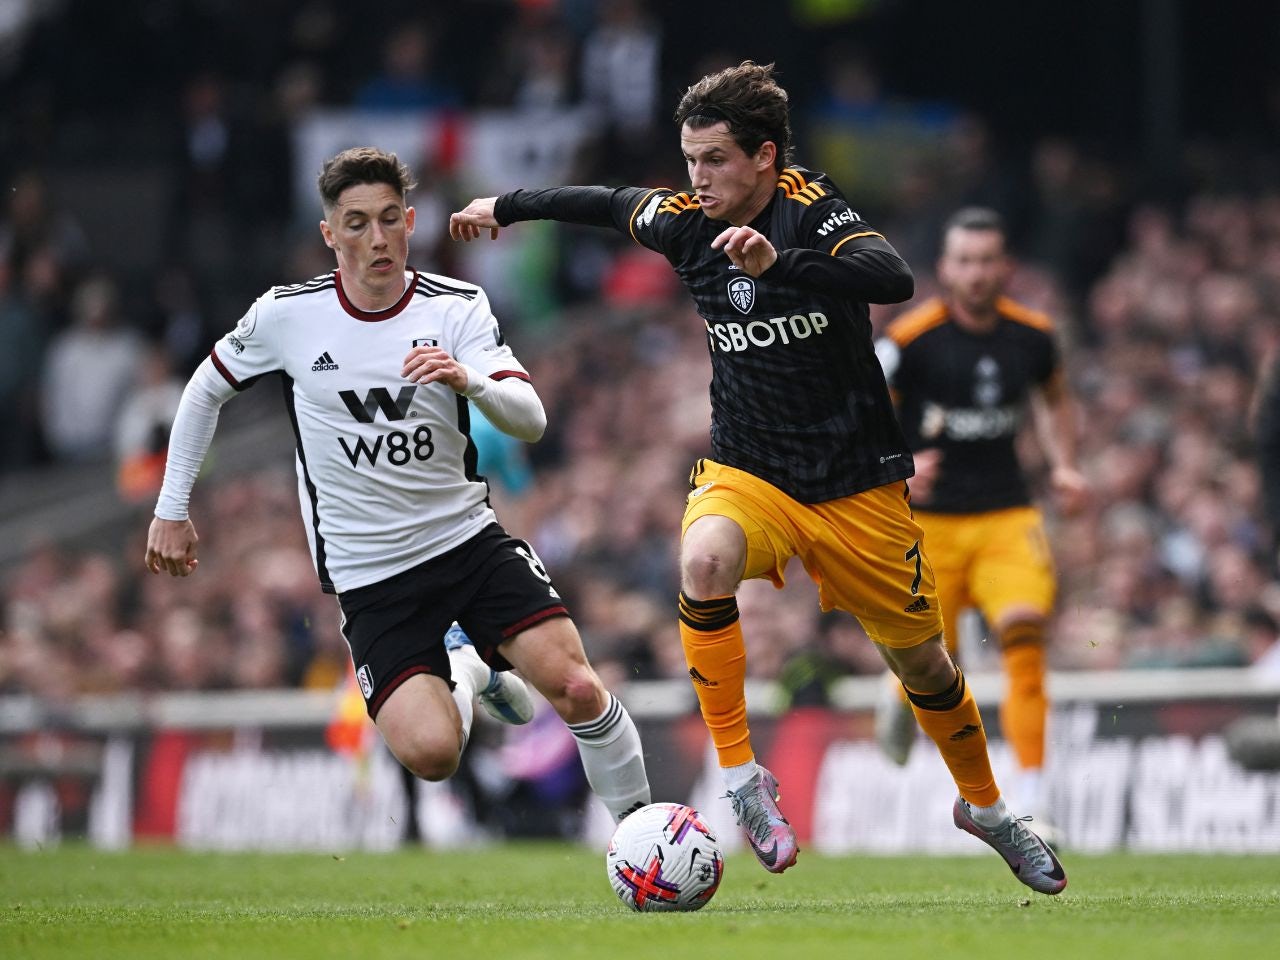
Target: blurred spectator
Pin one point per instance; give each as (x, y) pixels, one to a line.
(268, 193)
(23, 332)
(533, 64)
(1074, 217)
(213, 159)
(88, 373)
(143, 425)
(1266, 420)
(33, 224)
(1262, 641)
(408, 79)
(176, 318)
(879, 147)
(621, 64)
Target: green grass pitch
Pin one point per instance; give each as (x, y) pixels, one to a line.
(553, 901)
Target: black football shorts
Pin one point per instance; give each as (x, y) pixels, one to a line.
(494, 586)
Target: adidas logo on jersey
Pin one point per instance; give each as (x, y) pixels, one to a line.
(324, 362)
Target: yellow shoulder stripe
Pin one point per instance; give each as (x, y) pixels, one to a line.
(679, 203)
(791, 181)
(913, 323)
(1020, 313)
(795, 187)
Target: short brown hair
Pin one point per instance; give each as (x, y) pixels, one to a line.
(362, 165)
(749, 100)
(975, 218)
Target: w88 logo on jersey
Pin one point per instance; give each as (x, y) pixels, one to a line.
(398, 449)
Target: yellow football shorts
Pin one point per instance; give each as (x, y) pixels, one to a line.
(995, 561)
(863, 551)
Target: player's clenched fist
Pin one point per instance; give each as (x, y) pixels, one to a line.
(171, 547)
(749, 249)
(431, 364)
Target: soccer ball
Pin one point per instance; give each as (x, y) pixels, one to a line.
(664, 857)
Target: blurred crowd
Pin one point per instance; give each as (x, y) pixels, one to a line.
(1169, 310)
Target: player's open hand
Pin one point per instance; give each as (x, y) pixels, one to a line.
(467, 223)
(749, 249)
(431, 365)
(171, 547)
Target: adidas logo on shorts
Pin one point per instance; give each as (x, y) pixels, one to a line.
(919, 605)
(324, 362)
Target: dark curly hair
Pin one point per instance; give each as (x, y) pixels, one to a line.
(749, 100)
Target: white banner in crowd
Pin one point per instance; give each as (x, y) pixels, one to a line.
(487, 152)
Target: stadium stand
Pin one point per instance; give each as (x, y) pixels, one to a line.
(1172, 305)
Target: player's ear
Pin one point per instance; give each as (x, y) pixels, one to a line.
(766, 155)
(410, 218)
(327, 234)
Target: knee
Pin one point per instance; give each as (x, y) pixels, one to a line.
(577, 695)
(430, 757)
(712, 557)
(924, 668)
(709, 573)
(1025, 685)
(1027, 630)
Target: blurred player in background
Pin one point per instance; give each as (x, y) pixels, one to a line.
(964, 370)
(381, 367)
(809, 459)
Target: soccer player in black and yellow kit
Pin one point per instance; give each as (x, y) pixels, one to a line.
(964, 371)
(808, 458)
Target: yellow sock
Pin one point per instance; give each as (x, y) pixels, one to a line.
(716, 654)
(1025, 705)
(951, 720)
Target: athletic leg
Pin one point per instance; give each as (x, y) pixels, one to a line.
(713, 557)
(423, 727)
(550, 656)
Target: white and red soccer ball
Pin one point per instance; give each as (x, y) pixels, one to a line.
(664, 857)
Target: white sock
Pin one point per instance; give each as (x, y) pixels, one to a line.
(991, 816)
(470, 675)
(613, 759)
(466, 710)
(737, 777)
(1029, 792)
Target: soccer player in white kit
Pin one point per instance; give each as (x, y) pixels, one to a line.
(381, 366)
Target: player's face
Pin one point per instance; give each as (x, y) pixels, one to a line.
(730, 184)
(369, 230)
(974, 267)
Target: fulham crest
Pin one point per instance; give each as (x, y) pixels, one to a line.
(742, 293)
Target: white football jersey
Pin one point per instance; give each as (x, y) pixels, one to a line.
(386, 468)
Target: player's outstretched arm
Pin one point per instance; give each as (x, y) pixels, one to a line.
(590, 206)
(476, 216)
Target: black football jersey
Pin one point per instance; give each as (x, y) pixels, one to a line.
(798, 397)
(968, 395)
